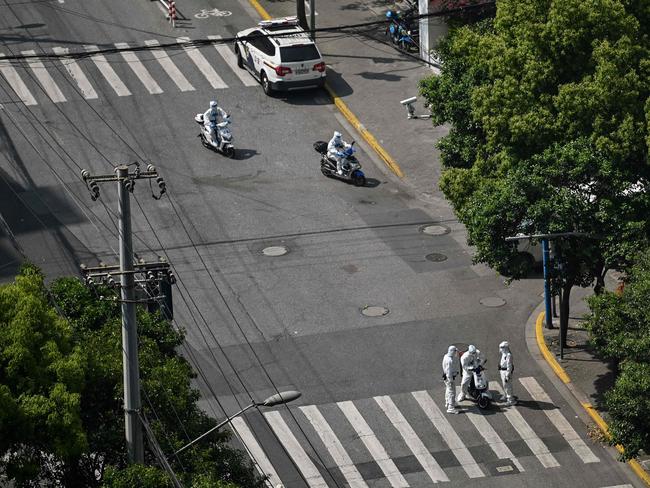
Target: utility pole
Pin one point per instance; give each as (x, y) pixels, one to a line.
(130, 367)
(312, 18)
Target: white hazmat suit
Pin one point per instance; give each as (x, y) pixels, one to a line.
(449, 373)
(211, 118)
(335, 149)
(468, 362)
(506, 368)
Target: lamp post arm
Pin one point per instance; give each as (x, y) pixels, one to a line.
(218, 426)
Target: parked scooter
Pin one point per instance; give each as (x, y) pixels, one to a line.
(224, 145)
(350, 165)
(402, 28)
(479, 389)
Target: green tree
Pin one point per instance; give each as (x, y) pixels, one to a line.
(620, 330)
(548, 109)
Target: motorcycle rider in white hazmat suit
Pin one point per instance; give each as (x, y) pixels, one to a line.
(211, 118)
(469, 362)
(506, 368)
(335, 149)
(449, 373)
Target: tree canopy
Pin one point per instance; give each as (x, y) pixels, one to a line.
(61, 410)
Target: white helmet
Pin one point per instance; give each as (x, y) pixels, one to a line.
(337, 134)
(451, 351)
(213, 104)
(471, 349)
(504, 345)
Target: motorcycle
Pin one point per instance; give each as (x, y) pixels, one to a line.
(478, 388)
(350, 165)
(225, 145)
(402, 28)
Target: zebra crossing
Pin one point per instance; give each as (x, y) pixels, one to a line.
(35, 82)
(334, 444)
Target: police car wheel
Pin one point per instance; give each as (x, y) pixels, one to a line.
(240, 60)
(266, 85)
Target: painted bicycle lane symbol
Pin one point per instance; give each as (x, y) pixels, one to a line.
(215, 12)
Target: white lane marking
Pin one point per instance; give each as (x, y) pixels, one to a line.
(202, 63)
(76, 74)
(108, 72)
(334, 447)
(559, 421)
(411, 439)
(492, 438)
(16, 82)
(620, 486)
(255, 451)
(44, 78)
(300, 457)
(231, 59)
(535, 444)
(170, 68)
(448, 433)
(373, 445)
(138, 68)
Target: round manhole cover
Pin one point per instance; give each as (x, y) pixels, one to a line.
(374, 311)
(434, 230)
(275, 251)
(492, 301)
(435, 257)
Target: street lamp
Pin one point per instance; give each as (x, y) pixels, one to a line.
(277, 399)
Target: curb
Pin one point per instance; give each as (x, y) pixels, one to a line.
(348, 114)
(588, 407)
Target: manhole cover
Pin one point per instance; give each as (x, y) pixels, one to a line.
(435, 257)
(434, 230)
(373, 311)
(492, 301)
(275, 251)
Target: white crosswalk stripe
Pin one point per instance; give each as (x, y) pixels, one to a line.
(108, 72)
(204, 66)
(373, 445)
(299, 456)
(448, 433)
(412, 440)
(620, 486)
(76, 73)
(16, 82)
(138, 68)
(46, 81)
(559, 421)
(534, 443)
(231, 59)
(255, 450)
(170, 68)
(492, 438)
(334, 447)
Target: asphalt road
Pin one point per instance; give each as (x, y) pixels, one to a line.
(255, 323)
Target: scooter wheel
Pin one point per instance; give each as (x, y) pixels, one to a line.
(229, 152)
(325, 171)
(483, 402)
(359, 181)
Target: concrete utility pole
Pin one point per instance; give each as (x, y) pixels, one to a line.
(130, 367)
(312, 18)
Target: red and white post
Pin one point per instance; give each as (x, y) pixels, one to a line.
(172, 12)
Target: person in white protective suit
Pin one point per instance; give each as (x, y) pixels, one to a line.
(506, 368)
(449, 373)
(211, 118)
(335, 149)
(469, 361)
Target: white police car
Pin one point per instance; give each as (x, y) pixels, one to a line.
(280, 54)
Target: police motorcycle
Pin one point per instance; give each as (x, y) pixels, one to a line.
(349, 164)
(225, 145)
(479, 389)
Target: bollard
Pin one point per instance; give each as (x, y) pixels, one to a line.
(172, 13)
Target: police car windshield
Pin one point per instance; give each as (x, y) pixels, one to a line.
(305, 52)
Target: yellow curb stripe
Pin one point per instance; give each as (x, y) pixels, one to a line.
(550, 359)
(595, 416)
(347, 113)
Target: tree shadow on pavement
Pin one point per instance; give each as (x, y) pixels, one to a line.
(380, 76)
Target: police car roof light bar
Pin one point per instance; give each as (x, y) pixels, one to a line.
(292, 20)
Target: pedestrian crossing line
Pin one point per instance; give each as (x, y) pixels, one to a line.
(16, 82)
(230, 58)
(373, 445)
(86, 89)
(170, 68)
(448, 433)
(255, 451)
(334, 447)
(44, 78)
(411, 439)
(138, 68)
(202, 63)
(524, 430)
(492, 438)
(299, 456)
(559, 421)
(108, 72)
